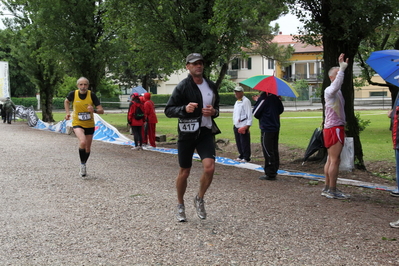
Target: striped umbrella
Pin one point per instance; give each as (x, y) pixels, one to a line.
(270, 84)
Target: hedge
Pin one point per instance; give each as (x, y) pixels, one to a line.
(160, 100)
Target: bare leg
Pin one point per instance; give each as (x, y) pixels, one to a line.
(331, 168)
(181, 184)
(207, 176)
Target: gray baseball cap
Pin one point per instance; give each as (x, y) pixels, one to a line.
(191, 58)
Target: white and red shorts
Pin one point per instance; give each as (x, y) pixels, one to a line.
(332, 135)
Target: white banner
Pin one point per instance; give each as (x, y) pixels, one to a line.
(4, 80)
(103, 130)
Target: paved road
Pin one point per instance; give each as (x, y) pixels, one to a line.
(123, 212)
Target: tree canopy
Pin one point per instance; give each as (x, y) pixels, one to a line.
(162, 33)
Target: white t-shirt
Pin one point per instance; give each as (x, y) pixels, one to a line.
(207, 98)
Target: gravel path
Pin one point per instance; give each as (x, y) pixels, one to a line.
(123, 212)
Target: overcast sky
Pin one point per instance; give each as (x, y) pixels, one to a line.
(288, 24)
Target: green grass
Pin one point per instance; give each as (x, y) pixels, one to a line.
(296, 130)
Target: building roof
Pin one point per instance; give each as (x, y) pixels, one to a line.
(298, 46)
(284, 39)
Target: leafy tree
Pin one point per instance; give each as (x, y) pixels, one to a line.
(59, 37)
(340, 26)
(227, 84)
(37, 62)
(162, 33)
(20, 85)
(74, 32)
(302, 87)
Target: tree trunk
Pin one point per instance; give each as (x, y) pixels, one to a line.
(46, 103)
(222, 74)
(144, 82)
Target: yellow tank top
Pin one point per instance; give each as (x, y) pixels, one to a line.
(80, 116)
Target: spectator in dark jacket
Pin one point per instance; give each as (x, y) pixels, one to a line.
(8, 109)
(267, 109)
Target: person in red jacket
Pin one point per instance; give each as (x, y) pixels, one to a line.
(151, 119)
(136, 120)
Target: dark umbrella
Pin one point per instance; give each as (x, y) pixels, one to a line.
(316, 143)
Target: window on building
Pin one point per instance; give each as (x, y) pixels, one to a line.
(235, 64)
(270, 63)
(378, 94)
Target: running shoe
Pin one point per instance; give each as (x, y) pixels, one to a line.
(337, 195)
(324, 192)
(395, 193)
(394, 224)
(199, 205)
(181, 213)
(82, 171)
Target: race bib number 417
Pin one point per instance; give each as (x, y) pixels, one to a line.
(189, 124)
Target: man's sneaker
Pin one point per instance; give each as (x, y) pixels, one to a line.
(394, 224)
(395, 193)
(181, 213)
(199, 205)
(337, 195)
(324, 192)
(238, 159)
(244, 161)
(82, 171)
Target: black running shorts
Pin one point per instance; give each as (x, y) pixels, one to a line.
(204, 144)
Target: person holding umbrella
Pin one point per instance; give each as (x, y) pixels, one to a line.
(267, 109)
(334, 129)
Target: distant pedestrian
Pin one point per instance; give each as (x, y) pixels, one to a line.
(195, 101)
(83, 102)
(334, 129)
(151, 121)
(242, 121)
(267, 109)
(136, 118)
(8, 109)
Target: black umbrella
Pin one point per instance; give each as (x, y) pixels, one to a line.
(316, 143)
